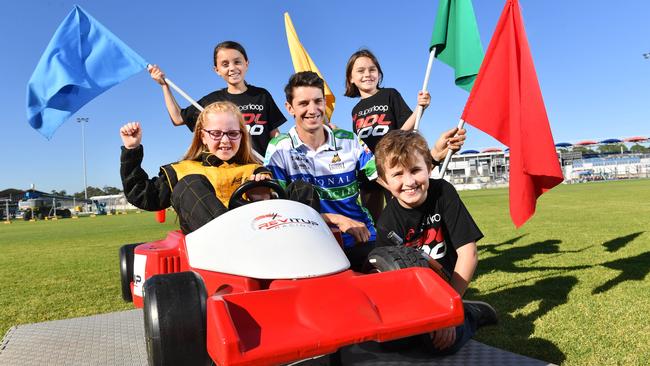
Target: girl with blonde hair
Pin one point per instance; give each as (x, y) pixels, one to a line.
(199, 186)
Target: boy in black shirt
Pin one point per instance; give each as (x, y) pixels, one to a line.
(428, 214)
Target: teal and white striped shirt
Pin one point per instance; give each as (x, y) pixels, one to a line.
(333, 169)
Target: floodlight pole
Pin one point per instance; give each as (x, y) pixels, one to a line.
(83, 121)
(7, 209)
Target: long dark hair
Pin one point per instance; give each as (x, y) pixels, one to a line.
(351, 90)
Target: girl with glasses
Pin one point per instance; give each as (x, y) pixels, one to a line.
(199, 186)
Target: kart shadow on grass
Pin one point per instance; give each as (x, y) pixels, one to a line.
(620, 242)
(506, 260)
(492, 248)
(632, 269)
(548, 293)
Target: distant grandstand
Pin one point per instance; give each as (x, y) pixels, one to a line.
(583, 161)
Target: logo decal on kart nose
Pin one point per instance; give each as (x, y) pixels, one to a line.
(274, 220)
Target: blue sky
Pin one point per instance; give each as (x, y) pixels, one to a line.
(588, 56)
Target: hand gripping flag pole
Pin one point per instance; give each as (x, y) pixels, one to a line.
(455, 41)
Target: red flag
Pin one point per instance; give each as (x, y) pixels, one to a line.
(506, 103)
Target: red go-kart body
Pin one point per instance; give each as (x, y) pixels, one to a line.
(297, 313)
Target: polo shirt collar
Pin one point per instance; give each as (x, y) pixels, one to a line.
(329, 144)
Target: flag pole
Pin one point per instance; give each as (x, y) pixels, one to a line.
(425, 84)
(443, 168)
(181, 92)
(198, 106)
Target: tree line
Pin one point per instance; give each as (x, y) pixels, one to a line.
(92, 191)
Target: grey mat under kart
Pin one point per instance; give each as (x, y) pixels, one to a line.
(118, 339)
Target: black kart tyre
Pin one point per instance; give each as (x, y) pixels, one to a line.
(126, 270)
(390, 258)
(174, 320)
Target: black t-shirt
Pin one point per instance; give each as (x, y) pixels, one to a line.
(260, 112)
(374, 116)
(441, 223)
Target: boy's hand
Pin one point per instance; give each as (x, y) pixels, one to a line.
(450, 140)
(443, 338)
(157, 74)
(131, 134)
(424, 99)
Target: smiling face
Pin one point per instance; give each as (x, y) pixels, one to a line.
(365, 76)
(408, 185)
(231, 65)
(224, 148)
(308, 108)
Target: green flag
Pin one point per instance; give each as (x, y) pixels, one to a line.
(456, 39)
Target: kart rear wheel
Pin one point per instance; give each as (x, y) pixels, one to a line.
(126, 270)
(174, 320)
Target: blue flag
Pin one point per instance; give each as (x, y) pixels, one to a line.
(83, 60)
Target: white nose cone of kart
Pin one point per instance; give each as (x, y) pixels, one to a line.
(274, 239)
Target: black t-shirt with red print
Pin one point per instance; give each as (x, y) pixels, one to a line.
(439, 226)
(260, 112)
(375, 116)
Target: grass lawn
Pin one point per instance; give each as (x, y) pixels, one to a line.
(570, 286)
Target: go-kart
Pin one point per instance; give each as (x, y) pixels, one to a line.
(268, 283)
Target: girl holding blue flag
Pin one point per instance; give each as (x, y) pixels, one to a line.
(261, 115)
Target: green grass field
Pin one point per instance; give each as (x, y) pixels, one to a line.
(570, 286)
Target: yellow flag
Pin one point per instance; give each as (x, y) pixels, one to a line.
(302, 62)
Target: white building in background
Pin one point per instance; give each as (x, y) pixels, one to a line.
(476, 170)
(490, 169)
(623, 166)
(114, 202)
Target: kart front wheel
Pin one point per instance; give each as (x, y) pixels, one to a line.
(174, 320)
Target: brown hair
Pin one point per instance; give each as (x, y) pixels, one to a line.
(243, 156)
(303, 78)
(229, 45)
(351, 90)
(401, 147)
